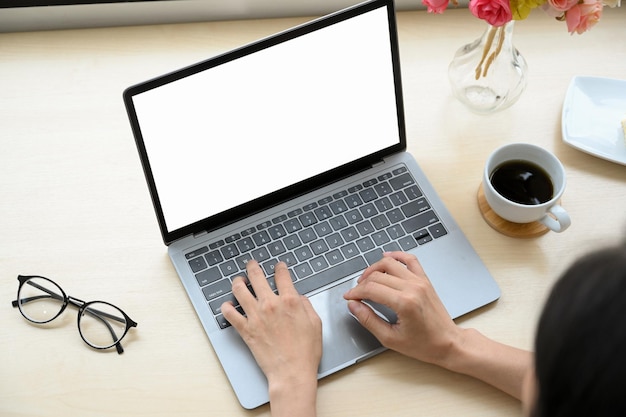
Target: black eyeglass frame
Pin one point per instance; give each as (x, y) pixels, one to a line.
(83, 308)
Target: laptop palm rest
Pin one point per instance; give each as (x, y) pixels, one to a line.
(345, 340)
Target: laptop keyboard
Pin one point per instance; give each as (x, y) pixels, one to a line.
(322, 241)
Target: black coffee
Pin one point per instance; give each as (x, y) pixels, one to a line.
(522, 182)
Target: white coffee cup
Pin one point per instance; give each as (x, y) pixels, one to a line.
(548, 212)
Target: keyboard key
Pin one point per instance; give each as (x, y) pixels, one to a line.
(319, 263)
(334, 240)
(414, 207)
(334, 257)
(353, 216)
(229, 268)
(392, 247)
(243, 260)
(216, 304)
(303, 253)
(276, 248)
(337, 272)
(197, 252)
(383, 204)
(208, 276)
(349, 234)
(261, 238)
(288, 258)
(368, 195)
(401, 181)
(413, 192)
(319, 246)
(437, 230)
(214, 257)
(307, 219)
(245, 245)
(292, 225)
(349, 250)
(373, 256)
(380, 238)
(197, 264)
(338, 207)
(407, 243)
(365, 228)
(292, 242)
(303, 270)
(260, 254)
(383, 189)
(380, 222)
(217, 289)
(398, 198)
(232, 238)
(368, 210)
(420, 221)
(365, 244)
(277, 232)
(323, 213)
(395, 231)
(338, 222)
(307, 235)
(230, 251)
(264, 225)
(323, 229)
(353, 200)
(395, 216)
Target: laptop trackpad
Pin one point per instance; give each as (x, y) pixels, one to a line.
(345, 340)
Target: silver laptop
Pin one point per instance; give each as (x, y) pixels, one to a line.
(292, 148)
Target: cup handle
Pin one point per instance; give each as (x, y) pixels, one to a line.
(556, 219)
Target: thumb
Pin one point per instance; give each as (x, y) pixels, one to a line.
(368, 318)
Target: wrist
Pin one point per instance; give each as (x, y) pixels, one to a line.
(293, 396)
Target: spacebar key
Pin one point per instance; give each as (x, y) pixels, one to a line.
(330, 275)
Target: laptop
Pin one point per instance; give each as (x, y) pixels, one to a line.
(293, 148)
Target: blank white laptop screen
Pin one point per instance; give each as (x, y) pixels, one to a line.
(243, 129)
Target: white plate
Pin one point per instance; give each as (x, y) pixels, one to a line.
(592, 117)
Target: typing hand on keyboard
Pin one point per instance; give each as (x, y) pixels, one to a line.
(284, 333)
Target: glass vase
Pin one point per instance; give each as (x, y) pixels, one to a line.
(489, 74)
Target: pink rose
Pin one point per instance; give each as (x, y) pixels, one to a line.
(562, 5)
(581, 17)
(436, 6)
(495, 12)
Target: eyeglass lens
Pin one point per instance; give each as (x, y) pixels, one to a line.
(40, 300)
(101, 324)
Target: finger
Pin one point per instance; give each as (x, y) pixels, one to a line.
(387, 266)
(377, 292)
(412, 263)
(242, 294)
(308, 307)
(368, 318)
(235, 318)
(282, 277)
(257, 279)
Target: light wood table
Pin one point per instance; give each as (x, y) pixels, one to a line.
(74, 207)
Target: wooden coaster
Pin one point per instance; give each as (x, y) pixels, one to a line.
(518, 230)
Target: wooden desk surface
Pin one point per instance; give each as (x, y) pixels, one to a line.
(74, 207)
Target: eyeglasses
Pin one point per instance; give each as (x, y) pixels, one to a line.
(100, 324)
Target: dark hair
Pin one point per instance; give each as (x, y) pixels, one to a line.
(580, 346)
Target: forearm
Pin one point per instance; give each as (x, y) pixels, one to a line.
(497, 364)
(293, 399)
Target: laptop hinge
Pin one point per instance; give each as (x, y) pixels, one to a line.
(200, 234)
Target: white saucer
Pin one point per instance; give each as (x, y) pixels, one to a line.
(592, 113)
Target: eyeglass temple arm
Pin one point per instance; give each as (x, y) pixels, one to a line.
(54, 295)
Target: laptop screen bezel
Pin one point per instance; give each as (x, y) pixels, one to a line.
(218, 220)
